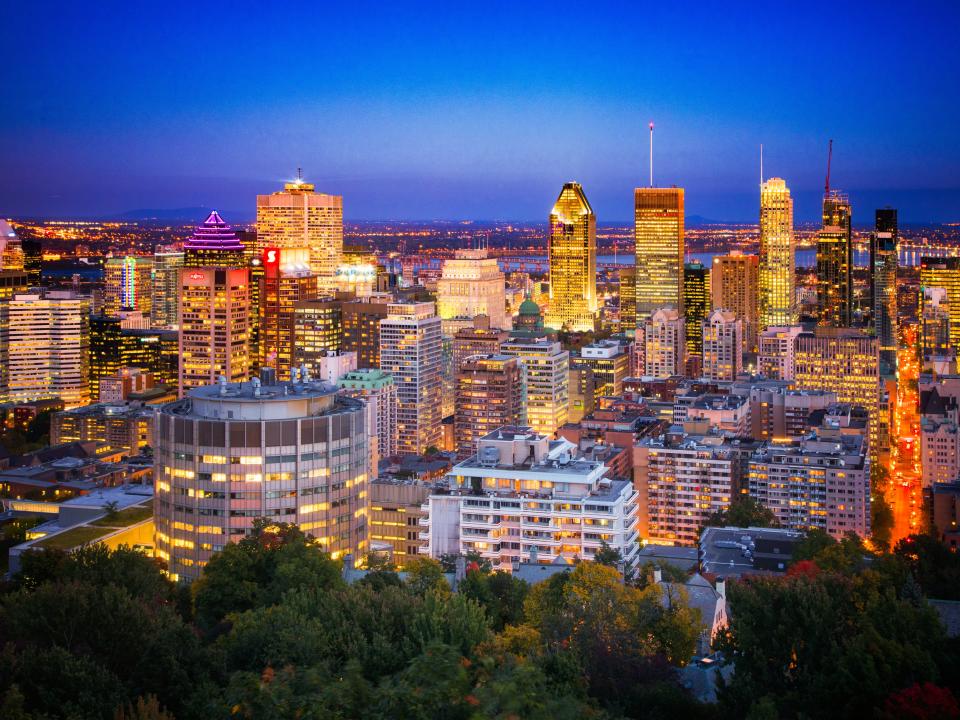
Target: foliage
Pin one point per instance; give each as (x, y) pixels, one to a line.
(881, 521)
(500, 593)
(743, 512)
(934, 567)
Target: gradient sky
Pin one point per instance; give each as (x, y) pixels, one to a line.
(477, 110)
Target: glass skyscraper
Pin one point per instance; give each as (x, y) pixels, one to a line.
(658, 233)
(573, 261)
(835, 262)
(883, 285)
(777, 265)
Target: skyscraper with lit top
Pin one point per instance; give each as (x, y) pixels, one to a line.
(572, 253)
(659, 238)
(777, 264)
(214, 244)
(472, 284)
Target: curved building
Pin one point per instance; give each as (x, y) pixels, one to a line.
(228, 454)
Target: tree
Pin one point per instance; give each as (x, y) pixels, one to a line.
(743, 512)
(934, 567)
(881, 521)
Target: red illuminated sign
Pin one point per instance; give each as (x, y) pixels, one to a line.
(271, 259)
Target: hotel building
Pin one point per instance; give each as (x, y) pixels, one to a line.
(664, 337)
(722, 345)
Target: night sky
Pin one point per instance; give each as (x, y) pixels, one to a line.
(477, 110)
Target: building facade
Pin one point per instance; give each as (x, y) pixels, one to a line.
(378, 390)
(722, 345)
(546, 381)
(489, 395)
(664, 336)
(884, 262)
(776, 272)
(165, 290)
(572, 253)
(659, 239)
(734, 286)
(835, 262)
(472, 284)
(696, 305)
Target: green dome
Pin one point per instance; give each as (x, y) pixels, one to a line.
(529, 307)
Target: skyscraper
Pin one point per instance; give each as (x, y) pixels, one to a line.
(410, 348)
(478, 339)
(696, 305)
(665, 338)
(883, 285)
(572, 253)
(733, 283)
(127, 284)
(835, 262)
(777, 271)
(472, 284)
(214, 244)
(945, 273)
(165, 290)
(546, 379)
(286, 281)
(489, 396)
(628, 300)
(361, 328)
(722, 345)
(376, 388)
(318, 330)
(299, 217)
(934, 315)
(659, 237)
(11, 249)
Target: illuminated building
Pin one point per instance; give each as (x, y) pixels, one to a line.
(845, 362)
(127, 284)
(32, 259)
(777, 354)
(379, 391)
(214, 244)
(120, 427)
(13, 282)
(361, 328)
(49, 345)
(395, 513)
(835, 262)
(489, 395)
(733, 286)
(529, 321)
(116, 388)
(546, 378)
(945, 273)
(582, 389)
(480, 339)
(659, 237)
(228, 454)
(696, 304)
(572, 253)
(777, 269)
(11, 249)
(665, 339)
(297, 217)
(939, 448)
(106, 349)
(489, 508)
(410, 349)
(934, 322)
(358, 279)
(317, 330)
(883, 285)
(214, 325)
(165, 290)
(610, 364)
(628, 300)
(472, 284)
(722, 345)
(287, 280)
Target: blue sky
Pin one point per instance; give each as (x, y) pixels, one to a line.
(477, 110)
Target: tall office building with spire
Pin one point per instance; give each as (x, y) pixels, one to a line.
(572, 253)
(777, 297)
(299, 217)
(835, 262)
(658, 233)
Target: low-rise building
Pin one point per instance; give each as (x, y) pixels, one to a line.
(123, 426)
(396, 506)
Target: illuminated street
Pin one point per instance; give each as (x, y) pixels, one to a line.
(904, 492)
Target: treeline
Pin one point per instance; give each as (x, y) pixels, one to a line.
(272, 631)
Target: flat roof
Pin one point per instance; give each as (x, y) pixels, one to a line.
(731, 561)
(245, 391)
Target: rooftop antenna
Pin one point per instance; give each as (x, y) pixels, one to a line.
(651, 153)
(826, 187)
(761, 163)
(299, 175)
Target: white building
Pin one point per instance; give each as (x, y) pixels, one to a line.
(722, 345)
(472, 284)
(546, 381)
(333, 365)
(664, 344)
(525, 496)
(776, 359)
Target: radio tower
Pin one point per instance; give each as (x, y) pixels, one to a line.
(651, 153)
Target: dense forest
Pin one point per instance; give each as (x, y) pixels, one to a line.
(272, 631)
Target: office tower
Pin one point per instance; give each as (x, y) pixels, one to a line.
(113, 347)
(572, 252)
(297, 217)
(287, 280)
(665, 339)
(696, 304)
(846, 362)
(722, 345)
(214, 244)
(378, 390)
(165, 290)
(214, 325)
(106, 349)
(49, 346)
(317, 330)
(472, 284)
(489, 396)
(734, 286)
(127, 284)
(546, 379)
(776, 271)
(361, 328)
(410, 349)
(227, 454)
(582, 389)
(835, 262)
(777, 354)
(945, 273)
(489, 508)
(658, 232)
(935, 323)
(32, 259)
(610, 364)
(820, 482)
(628, 300)
(681, 480)
(883, 285)
(11, 249)
(479, 339)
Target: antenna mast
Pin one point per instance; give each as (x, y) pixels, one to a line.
(826, 187)
(651, 153)
(761, 163)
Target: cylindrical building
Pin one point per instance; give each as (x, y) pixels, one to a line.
(228, 454)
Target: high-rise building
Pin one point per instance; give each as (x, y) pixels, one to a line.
(214, 325)
(379, 391)
(11, 249)
(361, 328)
(835, 262)
(165, 290)
(214, 244)
(696, 304)
(479, 339)
(582, 390)
(884, 249)
(722, 345)
(734, 286)
(287, 280)
(664, 337)
(628, 300)
(777, 354)
(659, 237)
(610, 363)
(546, 380)
(934, 315)
(572, 253)
(223, 459)
(945, 273)
(489, 395)
(777, 270)
(127, 284)
(298, 217)
(317, 329)
(472, 284)
(410, 349)
(49, 346)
